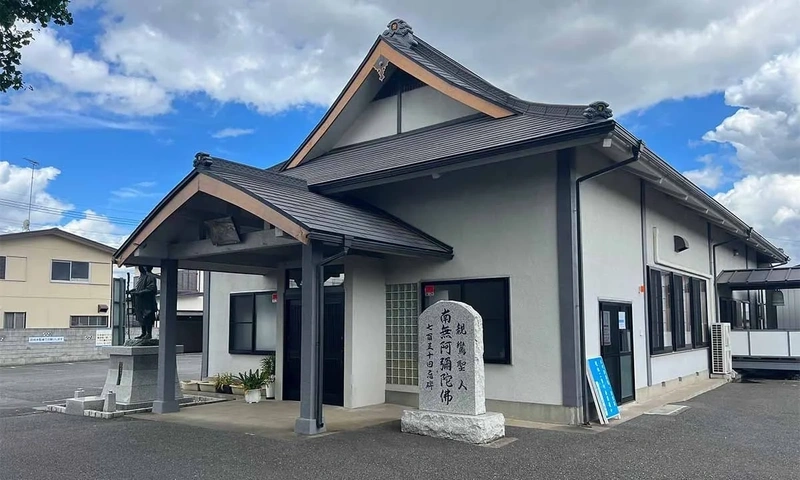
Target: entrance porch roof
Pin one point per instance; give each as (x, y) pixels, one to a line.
(286, 204)
(760, 278)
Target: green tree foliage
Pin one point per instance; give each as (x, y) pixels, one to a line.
(19, 19)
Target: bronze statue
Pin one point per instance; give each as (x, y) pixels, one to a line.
(144, 301)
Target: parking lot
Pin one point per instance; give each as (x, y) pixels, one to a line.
(748, 430)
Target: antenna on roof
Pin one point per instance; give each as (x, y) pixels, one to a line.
(26, 225)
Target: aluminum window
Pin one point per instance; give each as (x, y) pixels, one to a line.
(678, 312)
(490, 298)
(2, 268)
(88, 321)
(68, 271)
(253, 326)
(14, 320)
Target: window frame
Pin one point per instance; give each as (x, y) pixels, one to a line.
(677, 311)
(3, 266)
(72, 279)
(24, 320)
(88, 321)
(254, 323)
(506, 360)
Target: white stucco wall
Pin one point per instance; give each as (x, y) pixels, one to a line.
(426, 106)
(219, 360)
(379, 119)
(683, 364)
(500, 219)
(612, 253)
(666, 218)
(365, 332)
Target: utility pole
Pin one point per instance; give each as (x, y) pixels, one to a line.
(27, 224)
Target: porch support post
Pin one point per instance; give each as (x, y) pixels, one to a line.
(310, 420)
(165, 401)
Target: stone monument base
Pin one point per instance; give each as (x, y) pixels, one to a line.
(464, 428)
(133, 375)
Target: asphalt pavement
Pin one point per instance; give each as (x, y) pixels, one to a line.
(738, 431)
(25, 387)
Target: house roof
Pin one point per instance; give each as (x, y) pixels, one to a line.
(761, 278)
(475, 135)
(514, 125)
(318, 213)
(453, 72)
(57, 232)
(320, 217)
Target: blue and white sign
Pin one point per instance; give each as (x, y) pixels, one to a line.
(601, 389)
(45, 339)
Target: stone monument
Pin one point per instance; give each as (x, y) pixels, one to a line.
(133, 375)
(452, 401)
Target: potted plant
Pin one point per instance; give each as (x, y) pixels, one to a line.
(222, 382)
(252, 383)
(236, 387)
(207, 386)
(268, 369)
(190, 385)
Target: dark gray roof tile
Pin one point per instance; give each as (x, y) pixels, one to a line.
(426, 145)
(319, 213)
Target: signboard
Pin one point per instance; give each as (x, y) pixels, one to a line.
(623, 324)
(606, 328)
(102, 337)
(602, 392)
(430, 290)
(45, 339)
(274, 298)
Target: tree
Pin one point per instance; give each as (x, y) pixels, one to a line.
(18, 20)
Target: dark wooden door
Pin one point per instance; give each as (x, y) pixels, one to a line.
(333, 349)
(616, 348)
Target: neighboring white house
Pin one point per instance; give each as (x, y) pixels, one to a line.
(424, 182)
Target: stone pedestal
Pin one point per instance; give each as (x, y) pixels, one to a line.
(452, 402)
(478, 429)
(133, 376)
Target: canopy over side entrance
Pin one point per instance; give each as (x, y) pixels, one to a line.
(230, 217)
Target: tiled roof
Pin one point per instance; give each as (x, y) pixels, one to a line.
(417, 147)
(318, 213)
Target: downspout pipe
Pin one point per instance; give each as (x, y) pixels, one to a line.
(635, 150)
(346, 243)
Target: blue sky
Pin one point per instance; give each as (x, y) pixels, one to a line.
(124, 98)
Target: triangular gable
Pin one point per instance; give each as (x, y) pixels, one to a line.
(379, 64)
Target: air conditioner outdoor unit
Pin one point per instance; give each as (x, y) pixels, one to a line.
(721, 360)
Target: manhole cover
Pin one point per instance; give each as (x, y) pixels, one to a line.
(667, 410)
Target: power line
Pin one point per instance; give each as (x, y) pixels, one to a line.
(68, 213)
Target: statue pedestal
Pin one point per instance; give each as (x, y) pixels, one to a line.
(133, 375)
(476, 429)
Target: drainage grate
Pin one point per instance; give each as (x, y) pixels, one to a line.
(667, 410)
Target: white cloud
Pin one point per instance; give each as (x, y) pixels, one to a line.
(91, 82)
(710, 176)
(137, 190)
(48, 211)
(766, 129)
(274, 56)
(770, 204)
(765, 132)
(232, 132)
(15, 193)
(98, 228)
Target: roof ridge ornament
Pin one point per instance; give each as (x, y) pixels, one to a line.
(202, 160)
(599, 110)
(401, 32)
